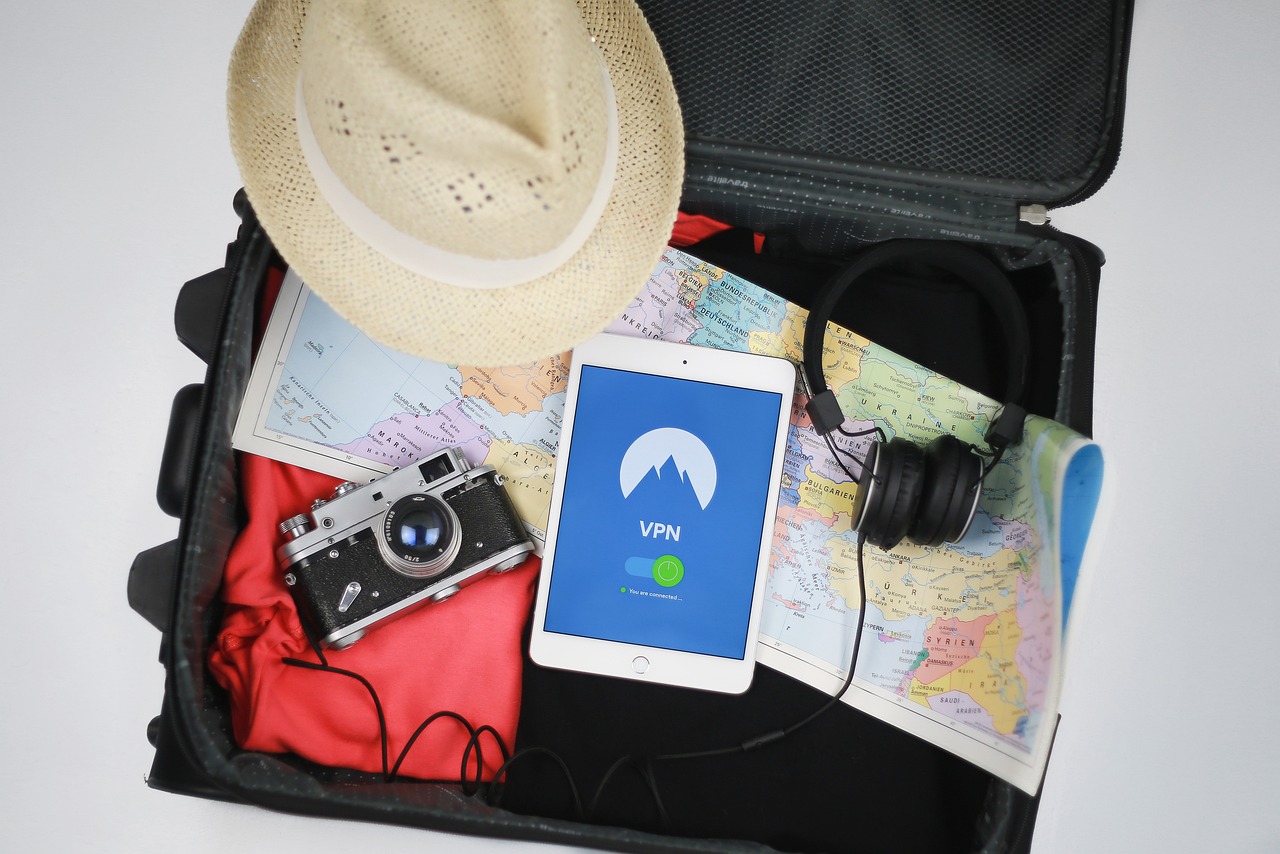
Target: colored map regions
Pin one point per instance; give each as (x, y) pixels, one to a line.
(692, 302)
(339, 389)
(905, 399)
(964, 637)
(371, 405)
(517, 390)
(988, 677)
(811, 604)
(915, 595)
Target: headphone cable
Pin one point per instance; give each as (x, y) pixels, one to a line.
(775, 735)
(643, 765)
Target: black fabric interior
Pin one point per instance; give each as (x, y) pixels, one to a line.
(847, 782)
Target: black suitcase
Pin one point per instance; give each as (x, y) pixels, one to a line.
(817, 129)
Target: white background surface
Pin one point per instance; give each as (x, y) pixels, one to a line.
(117, 182)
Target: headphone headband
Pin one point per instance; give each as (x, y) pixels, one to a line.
(972, 268)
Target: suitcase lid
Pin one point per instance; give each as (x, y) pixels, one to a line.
(1016, 102)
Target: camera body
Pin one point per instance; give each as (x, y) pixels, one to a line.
(418, 535)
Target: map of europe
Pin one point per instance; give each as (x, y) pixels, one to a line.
(964, 637)
(960, 642)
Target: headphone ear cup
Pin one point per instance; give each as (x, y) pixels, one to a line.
(949, 497)
(889, 493)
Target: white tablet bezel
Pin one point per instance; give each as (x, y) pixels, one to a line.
(619, 659)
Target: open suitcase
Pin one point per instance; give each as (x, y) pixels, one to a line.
(816, 129)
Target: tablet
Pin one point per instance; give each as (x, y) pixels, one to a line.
(662, 512)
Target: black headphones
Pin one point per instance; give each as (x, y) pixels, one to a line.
(928, 495)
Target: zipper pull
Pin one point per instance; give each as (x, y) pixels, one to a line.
(1033, 214)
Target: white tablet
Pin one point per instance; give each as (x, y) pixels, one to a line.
(662, 512)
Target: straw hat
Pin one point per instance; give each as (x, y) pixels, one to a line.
(479, 182)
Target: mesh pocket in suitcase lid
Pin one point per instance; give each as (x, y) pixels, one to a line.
(1013, 93)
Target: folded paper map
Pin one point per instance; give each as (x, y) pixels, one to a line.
(962, 644)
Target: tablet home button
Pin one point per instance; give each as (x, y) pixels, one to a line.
(640, 663)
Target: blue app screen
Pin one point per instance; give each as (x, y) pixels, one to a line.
(663, 510)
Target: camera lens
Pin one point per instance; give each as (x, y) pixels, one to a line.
(420, 534)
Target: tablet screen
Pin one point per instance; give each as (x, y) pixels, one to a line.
(663, 511)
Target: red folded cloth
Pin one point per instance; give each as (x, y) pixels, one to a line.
(462, 655)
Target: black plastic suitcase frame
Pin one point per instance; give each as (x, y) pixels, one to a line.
(826, 127)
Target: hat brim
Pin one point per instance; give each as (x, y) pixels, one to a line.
(432, 319)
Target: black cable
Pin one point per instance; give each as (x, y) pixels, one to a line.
(495, 792)
(836, 450)
(390, 772)
(853, 434)
(324, 667)
(835, 455)
(775, 735)
(995, 460)
(404, 752)
(643, 765)
(474, 742)
(857, 642)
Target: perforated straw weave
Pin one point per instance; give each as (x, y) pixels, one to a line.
(473, 131)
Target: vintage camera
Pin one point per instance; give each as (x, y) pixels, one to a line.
(417, 535)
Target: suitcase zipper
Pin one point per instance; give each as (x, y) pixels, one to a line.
(1035, 214)
(1034, 219)
(1112, 154)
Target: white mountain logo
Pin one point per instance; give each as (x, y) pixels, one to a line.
(692, 460)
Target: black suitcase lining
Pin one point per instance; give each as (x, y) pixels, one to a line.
(214, 516)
